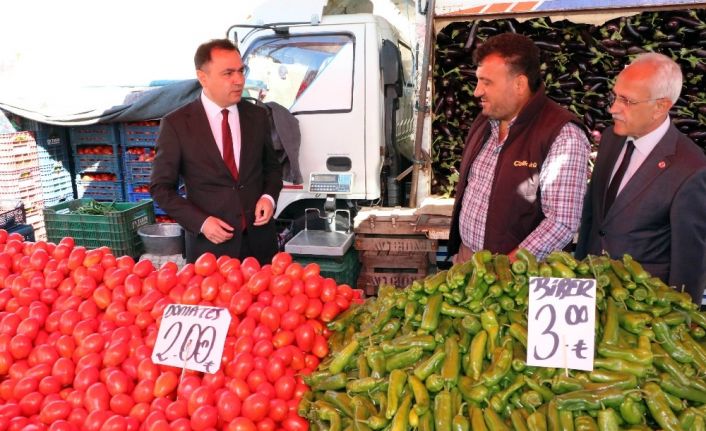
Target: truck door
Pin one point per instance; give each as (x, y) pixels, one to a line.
(313, 72)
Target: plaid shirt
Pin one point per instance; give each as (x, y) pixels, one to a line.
(562, 182)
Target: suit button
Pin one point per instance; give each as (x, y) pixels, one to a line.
(601, 233)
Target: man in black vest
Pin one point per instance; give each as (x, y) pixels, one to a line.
(647, 195)
(524, 169)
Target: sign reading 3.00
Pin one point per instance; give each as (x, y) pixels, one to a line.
(561, 322)
(192, 336)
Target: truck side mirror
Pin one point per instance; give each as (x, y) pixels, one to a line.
(391, 65)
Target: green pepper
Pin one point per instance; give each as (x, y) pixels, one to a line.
(376, 422)
(699, 424)
(638, 355)
(675, 349)
(490, 277)
(590, 400)
(531, 400)
(537, 421)
(637, 305)
(519, 267)
(454, 310)
(519, 333)
(340, 400)
(634, 322)
(499, 401)
(553, 423)
(585, 423)
(477, 353)
(687, 418)
(561, 270)
(443, 413)
(328, 413)
(379, 399)
(421, 395)
(345, 319)
(612, 323)
(542, 390)
(671, 296)
(562, 384)
(457, 274)
(376, 360)
(659, 407)
(342, 358)
(365, 384)
(396, 385)
(489, 322)
(429, 365)
(400, 422)
(405, 342)
(671, 386)
(499, 367)
(506, 303)
(426, 422)
(602, 379)
(362, 365)
(637, 273)
(676, 318)
(403, 359)
(563, 258)
(432, 284)
(434, 383)
(476, 288)
(632, 410)
(432, 310)
(460, 423)
(332, 382)
(694, 348)
(493, 420)
(608, 420)
(566, 420)
(452, 362)
(518, 421)
(501, 264)
(665, 363)
(477, 420)
(618, 269)
(472, 392)
(615, 364)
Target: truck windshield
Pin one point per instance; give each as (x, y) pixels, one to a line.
(304, 73)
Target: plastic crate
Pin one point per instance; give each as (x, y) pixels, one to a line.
(100, 190)
(26, 230)
(344, 269)
(11, 213)
(97, 134)
(18, 152)
(107, 163)
(139, 134)
(117, 230)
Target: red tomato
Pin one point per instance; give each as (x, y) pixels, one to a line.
(280, 303)
(313, 308)
(246, 327)
(284, 387)
(330, 311)
(205, 264)
(280, 284)
(266, 424)
(165, 384)
(328, 290)
(305, 337)
(255, 378)
(122, 404)
(241, 424)
(295, 423)
(143, 268)
(313, 286)
(262, 332)
(294, 271)
(263, 348)
(342, 302)
(97, 397)
(176, 409)
(278, 410)
(248, 267)
(270, 318)
(280, 262)
(258, 282)
(275, 370)
(187, 386)
(320, 348)
(239, 387)
(229, 406)
(240, 302)
(204, 417)
(255, 407)
(282, 338)
(310, 270)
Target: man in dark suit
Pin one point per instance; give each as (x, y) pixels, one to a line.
(221, 147)
(647, 195)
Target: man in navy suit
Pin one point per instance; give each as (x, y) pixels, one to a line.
(647, 195)
(221, 147)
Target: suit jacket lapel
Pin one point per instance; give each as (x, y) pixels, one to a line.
(246, 124)
(656, 163)
(201, 131)
(601, 179)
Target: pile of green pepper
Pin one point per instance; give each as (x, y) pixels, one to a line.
(447, 353)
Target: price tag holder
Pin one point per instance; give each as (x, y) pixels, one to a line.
(192, 336)
(561, 322)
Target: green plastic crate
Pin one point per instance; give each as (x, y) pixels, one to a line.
(344, 269)
(117, 230)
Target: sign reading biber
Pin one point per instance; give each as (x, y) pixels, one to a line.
(192, 336)
(561, 323)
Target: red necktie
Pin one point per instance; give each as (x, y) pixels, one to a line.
(618, 177)
(228, 156)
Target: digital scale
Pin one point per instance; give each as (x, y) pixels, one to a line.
(325, 242)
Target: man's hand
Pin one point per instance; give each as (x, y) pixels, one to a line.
(464, 254)
(216, 230)
(263, 211)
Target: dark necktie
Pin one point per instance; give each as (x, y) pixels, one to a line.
(228, 155)
(618, 177)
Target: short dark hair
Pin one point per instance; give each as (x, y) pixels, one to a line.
(518, 51)
(203, 52)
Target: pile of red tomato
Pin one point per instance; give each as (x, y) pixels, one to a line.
(77, 328)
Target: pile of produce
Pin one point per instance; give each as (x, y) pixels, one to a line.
(77, 329)
(448, 353)
(579, 65)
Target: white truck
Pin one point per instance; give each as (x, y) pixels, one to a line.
(348, 80)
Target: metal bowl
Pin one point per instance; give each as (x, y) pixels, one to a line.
(162, 239)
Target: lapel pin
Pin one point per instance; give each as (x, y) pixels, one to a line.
(661, 164)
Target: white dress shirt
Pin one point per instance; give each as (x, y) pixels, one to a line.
(215, 119)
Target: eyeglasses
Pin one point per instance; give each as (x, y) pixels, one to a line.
(613, 98)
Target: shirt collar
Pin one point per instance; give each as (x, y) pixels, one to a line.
(647, 143)
(212, 109)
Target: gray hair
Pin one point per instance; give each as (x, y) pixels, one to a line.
(667, 79)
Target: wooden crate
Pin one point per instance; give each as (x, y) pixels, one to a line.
(396, 243)
(397, 269)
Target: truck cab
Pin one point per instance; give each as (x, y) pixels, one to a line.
(348, 80)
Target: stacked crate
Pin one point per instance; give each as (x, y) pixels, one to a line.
(391, 248)
(139, 140)
(54, 163)
(97, 162)
(20, 177)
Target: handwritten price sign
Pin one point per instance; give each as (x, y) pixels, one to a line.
(561, 323)
(192, 336)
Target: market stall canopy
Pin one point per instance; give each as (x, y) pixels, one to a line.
(90, 105)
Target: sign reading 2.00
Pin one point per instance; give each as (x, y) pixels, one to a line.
(561, 322)
(192, 336)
